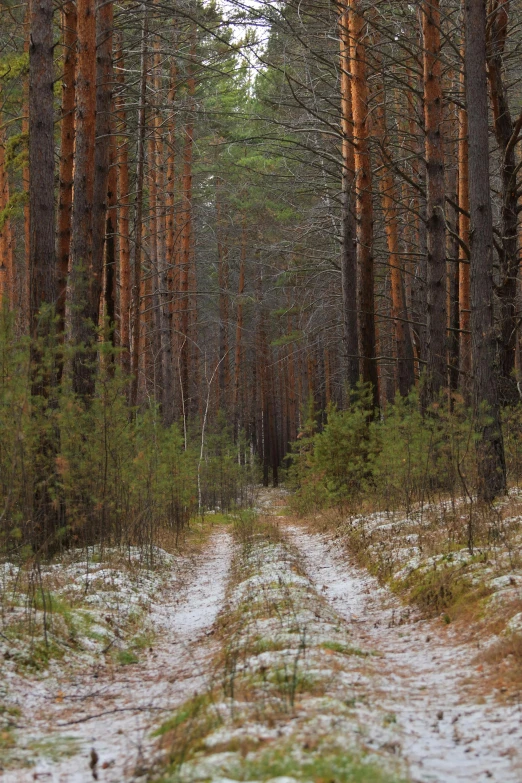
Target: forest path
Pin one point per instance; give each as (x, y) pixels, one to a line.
(114, 710)
(426, 680)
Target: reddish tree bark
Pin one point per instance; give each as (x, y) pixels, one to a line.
(79, 312)
(138, 217)
(122, 160)
(390, 200)
(349, 230)
(364, 204)
(104, 82)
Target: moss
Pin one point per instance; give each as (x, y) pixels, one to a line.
(184, 733)
(344, 649)
(262, 645)
(445, 589)
(55, 748)
(39, 656)
(52, 603)
(127, 657)
(321, 766)
(143, 641)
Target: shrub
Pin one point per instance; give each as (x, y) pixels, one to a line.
(116, 478)
(404, 457)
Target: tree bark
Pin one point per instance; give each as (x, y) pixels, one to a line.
(110, 248)
(464, 292)
(7, 267)
(122, 160)
(403, 342)
(505, 132)
(490, 447)
(81, 330)
(67, 131)
(162, 211)
(138, 215)
(223, 284)
(104, 81)
(348, 223)
(187, 297)
(238, 355)
(364, 208)
(42, 254)
(437, 374)
(42, 268)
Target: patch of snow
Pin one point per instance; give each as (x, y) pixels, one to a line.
(114, 709)
(424, 679)
(506, 580)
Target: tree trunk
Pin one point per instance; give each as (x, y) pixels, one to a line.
(490, 447)
(187, 296)
(42, 265)
(238, 356)
(348, 223)
(138, 216)
(364, 209)
(437, 374)
(42, 255)
(223, 284)
(364, 204)
(122, 159)
(79, 312)
(104, 80)
(67, 131)
(152, 302)
(25, 284)
(506, 132)
(463, 231)
(110, 248)
(7, 267)
(419, 299)
(404, 346)
(165, 314)
(171, 237)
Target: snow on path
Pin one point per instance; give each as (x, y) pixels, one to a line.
(123, 705)
(421, 676)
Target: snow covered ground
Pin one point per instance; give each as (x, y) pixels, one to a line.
(78, 720)
(450, 731)
(302, 666)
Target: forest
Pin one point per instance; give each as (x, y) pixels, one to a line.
(261, 391)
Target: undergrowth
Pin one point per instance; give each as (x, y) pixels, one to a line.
(400, 491)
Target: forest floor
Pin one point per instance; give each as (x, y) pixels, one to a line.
(90, 714)
(268, 656)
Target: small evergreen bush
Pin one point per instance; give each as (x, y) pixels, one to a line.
(404, 457)
(116, 478)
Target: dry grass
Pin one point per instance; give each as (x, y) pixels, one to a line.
(427, 560)
(282, 651)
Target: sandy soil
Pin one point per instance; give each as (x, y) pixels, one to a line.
(108, 714)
